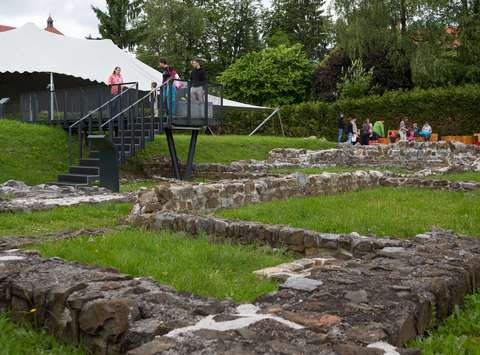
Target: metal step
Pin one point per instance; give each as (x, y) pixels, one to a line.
(78, 178)
(90, 162)
(58, 183)
(127, 147)
(84, 170)
(127, 140)
(94, 154)
(134, 133)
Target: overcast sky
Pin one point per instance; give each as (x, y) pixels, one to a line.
(74, 18)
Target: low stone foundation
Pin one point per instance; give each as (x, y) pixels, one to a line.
(386, 294)
(206, 198)
(297, 240)
(16, 196)
(409, 155)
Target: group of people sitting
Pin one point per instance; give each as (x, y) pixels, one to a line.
(408, 132)
(368, 132)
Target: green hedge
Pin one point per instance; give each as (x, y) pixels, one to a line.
(450, 111)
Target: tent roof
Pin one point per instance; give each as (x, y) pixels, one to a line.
(29, 49)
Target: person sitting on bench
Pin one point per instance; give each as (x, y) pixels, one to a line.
(426, 131)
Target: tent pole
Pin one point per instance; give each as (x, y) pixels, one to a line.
(281, 123)
(264, 121)
(52, 92)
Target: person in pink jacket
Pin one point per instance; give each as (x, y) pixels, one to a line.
(114, 81)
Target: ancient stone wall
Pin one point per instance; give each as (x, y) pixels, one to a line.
(385, 294)
(411, 155)
(206, 198)
(297, 240)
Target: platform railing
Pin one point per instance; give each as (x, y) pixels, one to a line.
(86, 122)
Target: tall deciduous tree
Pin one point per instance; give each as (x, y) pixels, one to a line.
(118, 22)
(303, 21)
(173, 29)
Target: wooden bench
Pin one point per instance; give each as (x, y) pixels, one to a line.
(462, 139)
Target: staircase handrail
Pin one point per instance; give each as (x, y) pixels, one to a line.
(90, 113)
(127, 108)
(102, 105)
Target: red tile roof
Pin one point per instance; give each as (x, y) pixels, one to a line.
(49, 28)
(53, 30)
(6, 28)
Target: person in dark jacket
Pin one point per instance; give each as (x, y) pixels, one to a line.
(365, 132)
(198, 79)
(341, 126)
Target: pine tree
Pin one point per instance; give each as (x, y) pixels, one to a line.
(118, 23)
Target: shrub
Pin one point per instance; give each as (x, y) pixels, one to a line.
(274, 76)
(452, 110)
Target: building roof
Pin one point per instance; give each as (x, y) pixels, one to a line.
(50, 28)
(6, 28)
(29, 49)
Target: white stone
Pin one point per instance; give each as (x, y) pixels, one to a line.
(11, 258)
(387, 348)
(247, 313)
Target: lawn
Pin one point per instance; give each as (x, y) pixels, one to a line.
(463, 176)
(193, 265)
(136, 185)
(400, 212)
(333, 169)
(223, 149)
(458, 335)
(22, 339)
(31, 153)
(62, 218)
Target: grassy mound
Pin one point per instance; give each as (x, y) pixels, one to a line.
(31, 153)
(398, 212)
(223, 149)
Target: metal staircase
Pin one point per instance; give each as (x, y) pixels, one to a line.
(130, 125)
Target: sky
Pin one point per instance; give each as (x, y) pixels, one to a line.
(73, 18)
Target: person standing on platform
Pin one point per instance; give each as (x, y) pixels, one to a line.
(198, 79)
(114, 81)
(169, 73)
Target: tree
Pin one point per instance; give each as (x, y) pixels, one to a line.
(274, 76)
(328, 73)
(173, 30)
(355, 82)
(118, 23)
(303, 21)
(217, 31)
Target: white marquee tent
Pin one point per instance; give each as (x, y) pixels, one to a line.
(28, 49)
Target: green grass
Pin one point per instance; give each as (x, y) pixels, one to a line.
(62, 218)
(332, 169)
(224, 149)
(193, 265)
(459, 335)
(463, 176)
(400, 212)
(31, 153)
(135, 186)
(22, 339)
